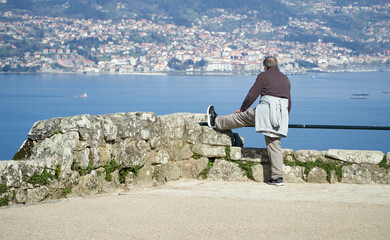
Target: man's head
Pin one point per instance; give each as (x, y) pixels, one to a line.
(270, 62)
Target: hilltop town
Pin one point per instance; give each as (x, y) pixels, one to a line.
(219, 43)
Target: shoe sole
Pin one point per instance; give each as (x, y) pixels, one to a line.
(208, 115)
(276, 184)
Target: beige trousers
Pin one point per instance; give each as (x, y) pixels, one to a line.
(247, 119)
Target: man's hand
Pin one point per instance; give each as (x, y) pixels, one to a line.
(238, 111)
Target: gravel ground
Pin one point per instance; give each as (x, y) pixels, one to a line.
(192, 209)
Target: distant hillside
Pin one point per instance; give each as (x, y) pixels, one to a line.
(182, 12)
(347, 26)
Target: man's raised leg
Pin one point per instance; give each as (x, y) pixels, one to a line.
(236, 120)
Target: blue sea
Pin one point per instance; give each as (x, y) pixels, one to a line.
(318, 98)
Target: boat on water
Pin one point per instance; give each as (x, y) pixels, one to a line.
(84, 95)
(358, 97)
(387, 92)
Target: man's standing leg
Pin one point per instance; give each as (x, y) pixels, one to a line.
(275, 156)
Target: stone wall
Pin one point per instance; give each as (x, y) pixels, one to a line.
(85, 155)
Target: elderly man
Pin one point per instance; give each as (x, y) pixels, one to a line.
(270, 117)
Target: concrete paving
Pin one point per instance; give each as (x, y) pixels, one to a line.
(192, 209)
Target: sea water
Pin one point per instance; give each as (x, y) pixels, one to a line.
(319, 98)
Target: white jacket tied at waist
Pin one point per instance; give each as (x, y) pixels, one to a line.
(271, 117)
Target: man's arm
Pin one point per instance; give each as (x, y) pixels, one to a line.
(252, 95)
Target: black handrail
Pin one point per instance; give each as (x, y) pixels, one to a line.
(313, 126)
(339, 127)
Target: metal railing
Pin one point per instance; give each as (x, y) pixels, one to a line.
(339, 127)
(314, 126)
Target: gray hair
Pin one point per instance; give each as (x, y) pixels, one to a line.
(270, 62)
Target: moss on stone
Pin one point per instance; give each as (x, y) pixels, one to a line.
(82, 171)
(383, 163)
(327, 166)
(135, 170)
(3, 188)
(57, 172)
(66, 191)
(25, 151)
(110, 168)
(205, 171)
(56, 132)
(89, 167)
(42, 178)
(74, 167)
(227, 153)
(125, 171)
(4, 201)
(246, 166)
(122, 175)
(196, 156)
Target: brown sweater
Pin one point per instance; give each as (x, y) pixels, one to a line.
(272, 83)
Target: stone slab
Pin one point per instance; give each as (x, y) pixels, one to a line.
(356, 156)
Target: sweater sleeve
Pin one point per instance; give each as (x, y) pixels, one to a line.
(253, 94)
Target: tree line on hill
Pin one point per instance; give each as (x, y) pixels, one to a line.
(184, 13)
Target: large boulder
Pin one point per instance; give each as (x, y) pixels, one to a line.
(255, 155)
(317, 175)
(365, 174)
(57, 149)
(11, 173)
(293, 174)
(227, 171)
(308, 155)
(261, 172)
(167, 172)
(209, 151)
(192, 168)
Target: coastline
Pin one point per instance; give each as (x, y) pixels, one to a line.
(89, 73)
(210, 73)
(352, 69)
